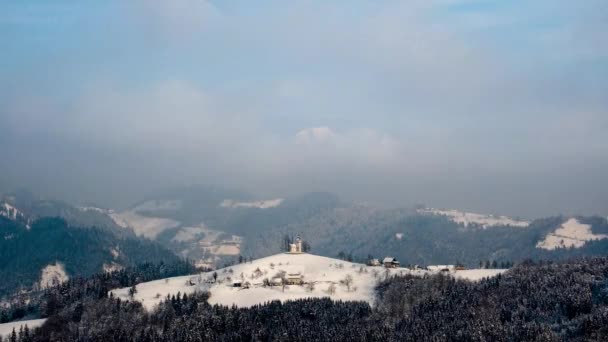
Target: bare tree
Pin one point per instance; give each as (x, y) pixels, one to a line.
(331, 289)
(348, 281)
(310, 287)
(132, 291)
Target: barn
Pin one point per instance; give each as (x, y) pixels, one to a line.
(390, 262)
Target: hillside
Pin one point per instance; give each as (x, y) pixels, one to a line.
(215, 226)
(320, 277)
(423, 238)
(210, 224)
(25, 207)
(50, 251)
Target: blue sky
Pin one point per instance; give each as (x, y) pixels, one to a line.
(484, 105)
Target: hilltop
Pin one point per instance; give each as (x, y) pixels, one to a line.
(350, 281)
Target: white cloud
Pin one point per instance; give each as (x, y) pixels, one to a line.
(315, 135)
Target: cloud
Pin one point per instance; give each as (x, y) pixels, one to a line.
(402, 102)
(315, 135)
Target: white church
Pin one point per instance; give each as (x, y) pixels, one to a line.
(296, 248)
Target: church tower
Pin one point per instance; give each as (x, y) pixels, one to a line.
(296, 247)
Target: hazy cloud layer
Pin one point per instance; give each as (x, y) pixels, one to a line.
(479, 105)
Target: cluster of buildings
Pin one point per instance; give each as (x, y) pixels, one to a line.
(390, 262)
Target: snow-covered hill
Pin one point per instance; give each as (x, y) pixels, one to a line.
(482, 220)
(572, 234)
(321, 276)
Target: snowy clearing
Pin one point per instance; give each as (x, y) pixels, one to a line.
(112, 267)
(467, 219)
(265, 204)
(53, 275)
(148, 227)
(571, 233)
(477, 274)
(7, 328)
(95, 209)
(333, 278)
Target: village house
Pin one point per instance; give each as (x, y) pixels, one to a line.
(373, 262)
(390, 262)
(240, 284)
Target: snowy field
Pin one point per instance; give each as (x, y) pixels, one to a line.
(571, 233)
(7, 328)
(328, 276)
(265, 204)
(485, 221)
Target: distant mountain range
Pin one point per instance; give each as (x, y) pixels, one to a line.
(213, 226)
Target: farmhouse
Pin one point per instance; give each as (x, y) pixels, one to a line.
(390, 262)
(295, 279)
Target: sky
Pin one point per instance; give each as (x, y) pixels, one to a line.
(484, 105)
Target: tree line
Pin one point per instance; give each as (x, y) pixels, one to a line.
(542, 301)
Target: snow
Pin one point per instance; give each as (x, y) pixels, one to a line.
(225, 249)
(111, 267)
(477, 274)
(187, 234)
(321, 271)
(118, 219)
(571, 233)
(53, 275)
(438, 268)
(95, 209)
(214, 245)
(10, 212)
(7, 328)
(115, 252)
(148, 227)
(399, 236)
(485, 221)
(265, 204)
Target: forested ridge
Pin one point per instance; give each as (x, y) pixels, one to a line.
(547, 301)
(423, 239)
(24, 252)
